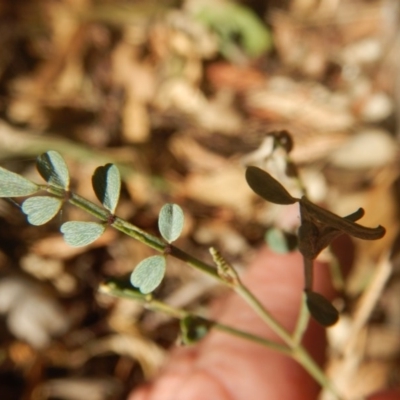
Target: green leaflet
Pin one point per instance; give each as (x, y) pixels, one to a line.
(106, 183)
(77, 233)
(14, 185)
(53, 169)
(170, 222)
(41, 209)
(149, 273)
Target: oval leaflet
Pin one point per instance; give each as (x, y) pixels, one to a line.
(14, 185)
(78, 233)
(53, 169)
(106, 183)
(149, 273)
(170, 222)
(41, 209)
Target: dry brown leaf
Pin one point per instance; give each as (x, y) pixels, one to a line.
(225, 187)
(193, 155)
(146, 352)
(310, 106)
(55, 246)
(32, 313)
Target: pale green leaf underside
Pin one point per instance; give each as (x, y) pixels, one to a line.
(77, 233)
(277, 241)
(53, 169)
(41, 209)
(14, 185)
(107, 185)
(170, 222)
(149, 273)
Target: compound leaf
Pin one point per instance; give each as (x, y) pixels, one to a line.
(149, 273)
(170, 222)
(267, 187)
(53, 169)
(41, 209)
(77, 233)
(106, 183)
(14, 185)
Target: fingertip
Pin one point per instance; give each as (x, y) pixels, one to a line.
(201, 384)
(141, 393)
(393, 394)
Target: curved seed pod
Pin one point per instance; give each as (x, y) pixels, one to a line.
(346, 224)
(356, 215)
(321, 309)
(267, 187)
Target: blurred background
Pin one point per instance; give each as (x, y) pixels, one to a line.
(181, 95)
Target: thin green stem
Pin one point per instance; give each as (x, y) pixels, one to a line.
(194, 262)
(298, 352)
(254, 338)
(89, 207)
(302, 321)
(304, 359)
(138, 234)
(264, 314)
(114, 289)
(78, 201)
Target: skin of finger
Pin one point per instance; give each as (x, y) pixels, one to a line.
(243, 369)
(386, 395)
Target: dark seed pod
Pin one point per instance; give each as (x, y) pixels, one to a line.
(267, 187)
(321, 309)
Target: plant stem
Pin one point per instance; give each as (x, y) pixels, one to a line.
(264, 314)
(112, 288)
(304, 359)
(196, 263)
(292, 347)
(302, 321)
(298, 352)
(308, 273)
(138, 234)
